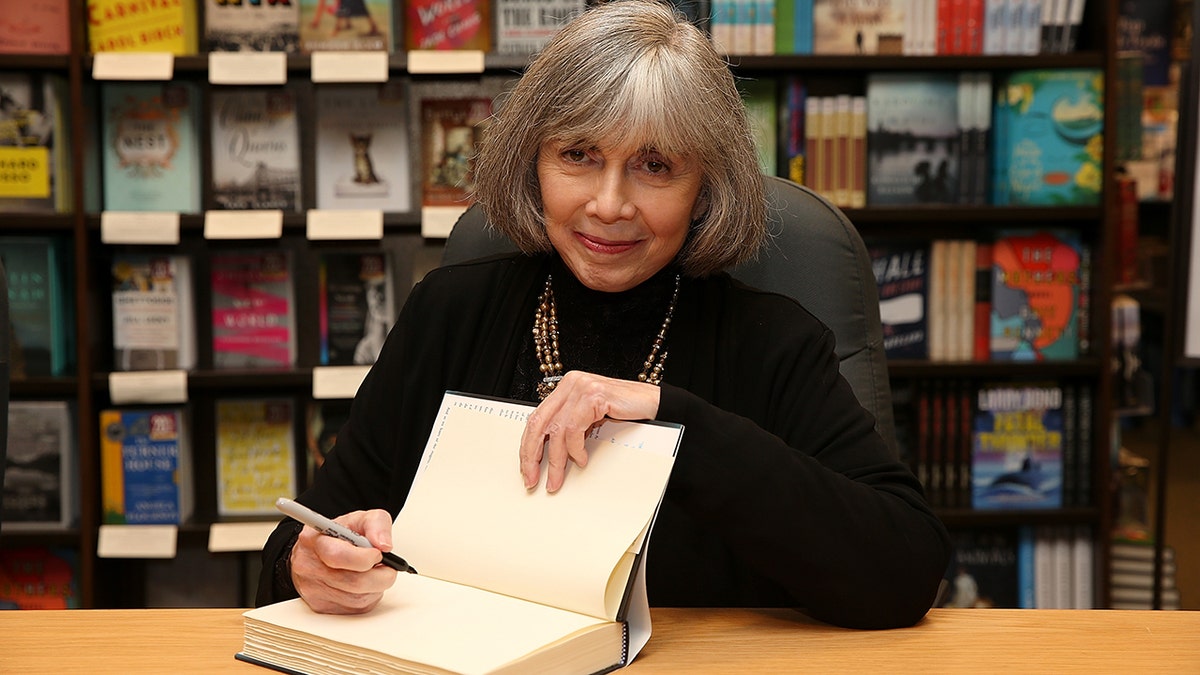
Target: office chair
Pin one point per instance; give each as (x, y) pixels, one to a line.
(5, 367)
(813, 255)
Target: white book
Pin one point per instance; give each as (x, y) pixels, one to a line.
(1014, 34)
(764, 27)
(153, 326)
(1031, 34)
(362, 141)
(1073, 24)
(1043, 568)
(995, 25)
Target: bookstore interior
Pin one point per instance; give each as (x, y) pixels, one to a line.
(213, 211)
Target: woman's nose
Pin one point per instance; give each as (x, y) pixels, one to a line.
(611, 202)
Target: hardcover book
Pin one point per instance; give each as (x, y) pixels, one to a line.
(912, 139)
(762, 107)
(902, 276)
(119, 26)
(40, 306)
(323, 421)
(1035, 295)
(35, 27)
(39, 474)
(151, 153)
(465, 24)
(253, 310)
(145, 467)
(255, 149)
(345, 25)
(39, 577)
(983, 571)
(152, 312)
(858, 26)
(252, 25)
(525, 26)
(451, 130)
(1017, 447)
(357, 307)
(363, 148)
(256, 455)
(34, 175)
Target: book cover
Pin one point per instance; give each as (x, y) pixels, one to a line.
(1145, 26)
(357, 307)
(912, 139)
(857, 27)
(165, 26)
(1017, 447)
(345, 25)
(152, 312)
(465, 24)
(256, 455)
(151, 147)
(34, 175)
(253, 310)
(39, 577)
(40, 306)
(902, 276)
(362, 158)
(1035, 295)
(525, 26)
(762, 108)
(983, 570)
(323, 421)
(795, 146)
(1051, 151)
(35, 27)
(255, 149)
(39, 472)
(252, 25)
(145, 467)
(451, 130)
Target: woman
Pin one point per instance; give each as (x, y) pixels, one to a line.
(623, 166)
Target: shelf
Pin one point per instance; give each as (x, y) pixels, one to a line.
(36, 223)
(796, 63)
(38, 387)
(972, 518)
(244, 381)
(68, 538)
(34, 61)
(1025, 370)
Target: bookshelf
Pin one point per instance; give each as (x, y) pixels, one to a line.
(102, 579)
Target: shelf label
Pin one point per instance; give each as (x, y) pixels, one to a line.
(247, 68)
(437, 221)
(148, 386)
(445, 61)
(133, 66)
(335, 224)
(349, 67)
(233, 537)
(139, 227)
(137, 541)
(251, 224)
(337, 381)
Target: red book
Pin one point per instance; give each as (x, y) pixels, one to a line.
(945, 25)
(35, 27)
(1127, 230)
(436, 24)
(983, 301)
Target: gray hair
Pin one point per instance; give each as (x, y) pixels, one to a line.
(629, 68)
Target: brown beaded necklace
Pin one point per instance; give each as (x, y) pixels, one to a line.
(545, 341)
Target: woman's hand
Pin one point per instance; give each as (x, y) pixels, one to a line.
(337, 577)
(563, 420)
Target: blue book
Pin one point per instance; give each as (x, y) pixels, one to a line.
(151, 154)
(1026, 579)
(145, 468)
(1017, 447)
(41, 306)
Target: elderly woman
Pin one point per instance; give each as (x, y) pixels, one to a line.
(623, 166)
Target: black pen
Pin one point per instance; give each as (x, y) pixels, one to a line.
(327, 527)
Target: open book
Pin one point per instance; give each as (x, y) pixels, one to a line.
(510, 580)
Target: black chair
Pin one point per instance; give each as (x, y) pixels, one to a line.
(814, 255)
(5, 367)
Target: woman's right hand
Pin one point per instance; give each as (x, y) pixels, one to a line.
(337, 577)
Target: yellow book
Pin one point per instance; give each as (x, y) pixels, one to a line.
(256, 455)
(143, 26)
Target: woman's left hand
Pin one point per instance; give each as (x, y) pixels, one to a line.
(560, 424)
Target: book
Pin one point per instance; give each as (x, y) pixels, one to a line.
(554, 598)
(151, 146)
(346, 25)
(451, 131)
(145, 466)
(118, 26)
(1017, 447)
(252, 25)
(253, 309)
(256, 455)
(35, 171)
(35, 27)
(1145, 27)
(434, 24)
(762, 109)
(357, 307)
(912, 139)
(525, 26)
(857, 26)
(152, 309)
(323, 420)
(255, 149)
(40, 306)
(902, 276)
(362, 158)
(39, 577)
(983, 570)
(1035, 295)
(40, 468)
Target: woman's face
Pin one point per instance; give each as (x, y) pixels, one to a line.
(616, 213)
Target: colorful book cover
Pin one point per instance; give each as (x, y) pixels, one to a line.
(345, 25)
(902, 276)
(762, 107)
(857, 26)
(525, 26)
(33, 148)
(151, 153)
(1144, 26)
(252, 25)
(1017, 447)
(362, 159)
(40, 306)
(1052, 148)
(1035, 295)
(145, 467)
(451, 130)
(912, 139)
(39, 481)
(465, 24)
(165, 26)
(256, 455)
(254, 310)
(795, 149)
(984, 569)
(39, 577)
(35, 27)
(357, 307)
(324, 419)
(152, 312)
(255, 149)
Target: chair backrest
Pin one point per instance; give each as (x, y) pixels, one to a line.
(5, 368)
(813, 255)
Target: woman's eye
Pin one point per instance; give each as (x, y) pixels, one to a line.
(656, 166)
(575, 155)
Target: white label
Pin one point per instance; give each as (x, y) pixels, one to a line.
(133, 66)
(255, 224)
(137, 541)
(230, 537)
(437, 221)
(444, 61)
(139, 227)
(349, 67)
(334, 224)
(151, 386)
(337, 381)
(247, 67)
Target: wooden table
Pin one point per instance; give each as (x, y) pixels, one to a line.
(684, 641)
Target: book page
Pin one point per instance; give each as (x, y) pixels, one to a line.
(469, 519)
